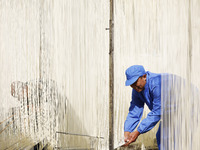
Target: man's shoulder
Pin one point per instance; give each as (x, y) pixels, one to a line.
(154, 79)
(154, 76)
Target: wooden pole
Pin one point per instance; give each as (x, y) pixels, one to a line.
(41, 23)
(111, 76)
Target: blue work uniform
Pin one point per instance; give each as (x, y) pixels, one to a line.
(151, 95)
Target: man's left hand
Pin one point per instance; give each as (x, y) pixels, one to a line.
(132, 137)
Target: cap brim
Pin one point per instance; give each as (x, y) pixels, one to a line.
(131, 81)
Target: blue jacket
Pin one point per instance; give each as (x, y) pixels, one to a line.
(151, 95)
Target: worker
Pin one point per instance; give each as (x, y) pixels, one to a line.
(146, 89)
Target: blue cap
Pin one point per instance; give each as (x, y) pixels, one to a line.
(133, 73)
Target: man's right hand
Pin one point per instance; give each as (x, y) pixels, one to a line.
(126, 136)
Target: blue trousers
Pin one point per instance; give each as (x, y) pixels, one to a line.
(158, 136)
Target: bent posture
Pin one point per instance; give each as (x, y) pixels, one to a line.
(146, 89)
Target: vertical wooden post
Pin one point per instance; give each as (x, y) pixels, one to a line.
(111, 76)
(42, 38)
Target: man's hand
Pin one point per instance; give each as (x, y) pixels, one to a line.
(126, 136)
(131, 137)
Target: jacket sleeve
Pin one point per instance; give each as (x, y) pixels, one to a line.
(154, 116)
(135, 114)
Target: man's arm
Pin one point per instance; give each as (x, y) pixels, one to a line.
(154, 116)
(134, 116)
